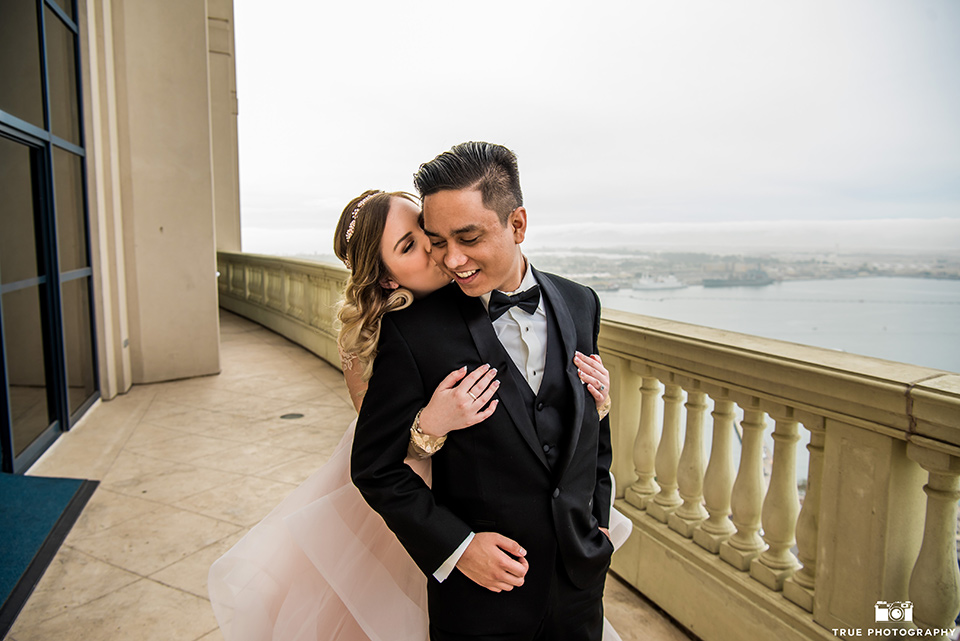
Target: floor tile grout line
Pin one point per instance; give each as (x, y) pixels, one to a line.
(158, 504)
(112, 484)
(68, 609)
(240, 528)
(139, 578)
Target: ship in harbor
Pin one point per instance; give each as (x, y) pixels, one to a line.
(752, 278)
(648, 282)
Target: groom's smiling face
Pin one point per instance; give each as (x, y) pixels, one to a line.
(471, 244)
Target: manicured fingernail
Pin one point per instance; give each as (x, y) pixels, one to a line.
(494, 370)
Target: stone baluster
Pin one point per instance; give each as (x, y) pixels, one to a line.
(256, 285)
(690, 473)
(296, 296)
(718, 480)
(323, 310)
(311, 302)
(780, 508)
(668, 456)
(645, 447)
(275, 294)
(745, 544)
(624, 418)
(935, 580)
(262, 285)
(799, 588)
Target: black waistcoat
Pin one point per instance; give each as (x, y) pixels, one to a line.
(552, 406)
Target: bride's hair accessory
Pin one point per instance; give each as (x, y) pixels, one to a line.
(353, 216)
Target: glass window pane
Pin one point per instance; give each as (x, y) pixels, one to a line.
(81, 383)
(67, 6)
(18, 244)
(26, 366)
(21, 91)
(62, 76)
(71, 234)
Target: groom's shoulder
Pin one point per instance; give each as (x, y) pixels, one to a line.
(434, 308)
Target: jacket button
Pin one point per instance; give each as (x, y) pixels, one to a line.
(546, 448)
(540, 406)
(556, 493)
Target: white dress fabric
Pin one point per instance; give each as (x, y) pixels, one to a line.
(323, 566)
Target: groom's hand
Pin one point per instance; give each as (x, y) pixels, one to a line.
(494, 562)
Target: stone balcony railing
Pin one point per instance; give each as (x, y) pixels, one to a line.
(723, 547)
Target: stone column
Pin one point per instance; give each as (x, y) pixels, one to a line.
(718, 480)
(690, 473)
(799, 588)
(780, 508)
(645, 447)
(745, 544)
(935, 581)
(668, 456)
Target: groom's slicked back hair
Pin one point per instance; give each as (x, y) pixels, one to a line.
(491, 169)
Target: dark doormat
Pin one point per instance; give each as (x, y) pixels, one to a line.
(36, 514)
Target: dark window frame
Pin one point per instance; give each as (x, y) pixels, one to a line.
(42, 142)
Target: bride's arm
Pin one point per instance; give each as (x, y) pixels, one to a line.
(356, 386)
(460, 400)
(446, 411)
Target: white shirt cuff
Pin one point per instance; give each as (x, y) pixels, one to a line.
(444, 570)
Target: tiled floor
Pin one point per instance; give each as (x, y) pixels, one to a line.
(186, 468)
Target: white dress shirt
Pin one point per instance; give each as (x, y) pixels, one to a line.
(524, 337)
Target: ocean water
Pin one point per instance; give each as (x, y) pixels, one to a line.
(907, 320)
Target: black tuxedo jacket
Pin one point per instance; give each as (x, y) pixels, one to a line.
(492, 476)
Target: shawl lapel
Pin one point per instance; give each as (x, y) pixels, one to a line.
(568, 338)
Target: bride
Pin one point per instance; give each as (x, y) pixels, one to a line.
(323, 565)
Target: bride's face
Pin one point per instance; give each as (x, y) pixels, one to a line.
(406, 251)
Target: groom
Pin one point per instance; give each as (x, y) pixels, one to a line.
(511, 533)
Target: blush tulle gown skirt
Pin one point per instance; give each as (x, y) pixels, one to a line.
(323, 566)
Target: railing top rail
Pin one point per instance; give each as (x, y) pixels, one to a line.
(312, 266)
(895, 399)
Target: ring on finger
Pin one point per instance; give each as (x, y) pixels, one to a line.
(601, 387)
(471, 395)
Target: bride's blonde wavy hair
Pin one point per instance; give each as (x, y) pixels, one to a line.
(365, 299)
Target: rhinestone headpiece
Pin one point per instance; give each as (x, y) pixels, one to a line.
(353, 215)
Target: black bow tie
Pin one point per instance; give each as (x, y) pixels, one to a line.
(500, 302)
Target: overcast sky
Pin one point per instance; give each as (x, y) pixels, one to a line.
(641, 111)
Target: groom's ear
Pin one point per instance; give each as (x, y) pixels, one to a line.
(517, 222)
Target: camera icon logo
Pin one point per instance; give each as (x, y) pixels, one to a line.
(894, 611)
